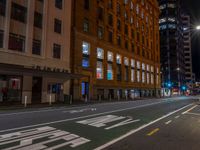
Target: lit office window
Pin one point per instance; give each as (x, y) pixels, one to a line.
(126, 61)
(118, 59)
(86, 48)
(99, 70)
(143, 77)
(132, 75)
(109, 72)
(138, 76)
(110, 56)
(138, 65)
(132, 63)
(100, 53)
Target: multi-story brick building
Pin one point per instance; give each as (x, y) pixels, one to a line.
(116, 46)
(34, 50)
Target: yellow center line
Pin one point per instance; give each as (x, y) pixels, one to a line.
(189, 109)
(153, 132)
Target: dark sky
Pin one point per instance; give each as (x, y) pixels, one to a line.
(193, 7)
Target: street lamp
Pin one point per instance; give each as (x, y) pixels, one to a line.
(198, 27)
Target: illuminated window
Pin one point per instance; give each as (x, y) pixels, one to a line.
(109, 72)
(143, 77)
(85, 48)
(132, 63)
(138, 76)
(138, 65)
(118, 59)
(99, 70)
(126, 61)
(143, 66)
(110, 56)
(100, 53)
(132, 75)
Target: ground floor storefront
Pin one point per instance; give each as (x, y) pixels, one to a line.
(84, 90)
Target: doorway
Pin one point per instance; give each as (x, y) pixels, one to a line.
(36, 89)
(85, 90)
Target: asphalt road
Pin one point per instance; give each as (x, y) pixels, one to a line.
(148, 124)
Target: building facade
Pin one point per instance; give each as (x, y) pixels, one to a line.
(116, 46)
(171, 41)
(34, 50)
(187, 48)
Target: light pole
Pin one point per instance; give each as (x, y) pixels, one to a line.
(179, 83)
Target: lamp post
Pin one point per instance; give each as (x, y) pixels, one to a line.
(179, 83)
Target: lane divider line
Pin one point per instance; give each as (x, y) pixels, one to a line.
(138, 129)
(168, 122)
(153, 132)
(189, 109)
(176, 117)
(189, 113)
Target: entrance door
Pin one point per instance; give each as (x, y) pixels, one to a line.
(85, 89)
(36, 89)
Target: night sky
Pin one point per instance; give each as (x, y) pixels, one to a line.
(193, 8)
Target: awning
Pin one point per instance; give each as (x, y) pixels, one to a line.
(25, 70)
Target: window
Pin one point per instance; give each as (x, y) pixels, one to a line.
(126, 74)
(118, 59)
(138, 65)
(148, 78)
(132, 75)
(138, 76)
(143, 77)
(119, 73)
(109, 72)
(100, 53)
(119, 40)
(152, 78)
(118, 24)
(38, 20)
(57, 25)
(100, 13)
(110, 36)
(36, 48)
(126, 61)
(143, 67)
(58, 4)
(99, 70)
(86, 25)
(85, 62)
(86, 53)
(100, 32)
(56, 51)
(16, 42)
(110, 56)
(1, 38)
(2, 7)
(85, 48)
(87, 4)
(132, 63)
(110, 19)
(18, 13)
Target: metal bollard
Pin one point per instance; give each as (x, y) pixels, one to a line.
(50, 101)
(70, 102)
(25, 101)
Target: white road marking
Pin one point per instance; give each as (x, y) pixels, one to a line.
(138, 129)
(40, 138)
(168, 122)
(80, 110)
(176, 117)
(189, 113)
(103, 121)
(189, 109)
(82, 117)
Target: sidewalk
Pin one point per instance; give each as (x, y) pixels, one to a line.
(75, 103)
